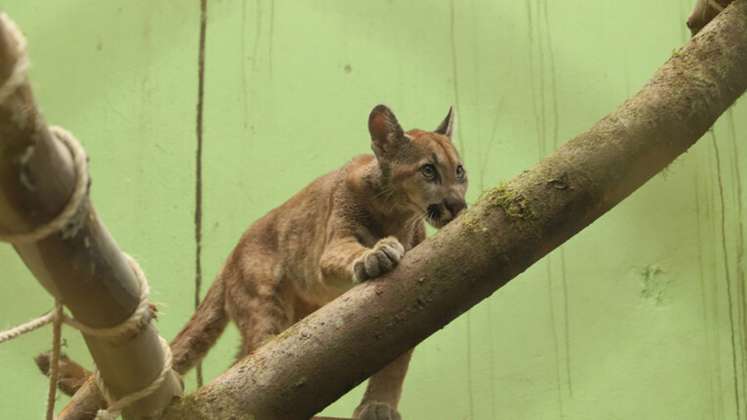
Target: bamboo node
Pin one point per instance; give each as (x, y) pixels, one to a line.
(71, 209)
(139, 318)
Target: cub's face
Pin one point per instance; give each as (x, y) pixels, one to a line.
(425, 171)
(432, 177)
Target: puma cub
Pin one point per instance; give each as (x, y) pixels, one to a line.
(346, 227)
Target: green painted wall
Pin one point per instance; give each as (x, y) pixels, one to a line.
(641, 316)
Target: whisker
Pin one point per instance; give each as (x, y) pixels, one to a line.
(415, 220)
(385, 193)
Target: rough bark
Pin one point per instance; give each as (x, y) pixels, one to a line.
(319, 359)
(73, 376)
(82, 267)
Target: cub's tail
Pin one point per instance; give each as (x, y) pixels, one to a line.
(202, 330)
(188, 348)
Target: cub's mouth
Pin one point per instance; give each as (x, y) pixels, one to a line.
(439, 215)
(433, 216)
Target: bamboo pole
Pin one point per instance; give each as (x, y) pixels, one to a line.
(320, 358)
(81, 265)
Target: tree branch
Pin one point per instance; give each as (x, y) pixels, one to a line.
(82, 266)
(511, 227)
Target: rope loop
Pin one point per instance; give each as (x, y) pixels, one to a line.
(115, 406)
(139, 319)
(66, 217)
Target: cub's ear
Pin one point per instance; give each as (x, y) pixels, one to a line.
(447, 125)
(386, 133)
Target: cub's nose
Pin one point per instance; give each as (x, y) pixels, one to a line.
(455, 206)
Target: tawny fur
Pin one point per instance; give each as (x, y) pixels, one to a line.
(350, 225)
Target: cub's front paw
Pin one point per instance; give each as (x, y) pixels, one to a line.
(375, 410)
(379, 260)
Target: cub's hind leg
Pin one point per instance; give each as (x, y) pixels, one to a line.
(258, 306)
(384, 391)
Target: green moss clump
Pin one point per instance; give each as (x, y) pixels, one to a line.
(513, 203)
(471, 221)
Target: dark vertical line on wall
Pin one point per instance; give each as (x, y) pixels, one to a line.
(555, 141)
(553, 80)
(703, 293)
(198, 162)
(741, 292)
(491, 361)
(554, 333)
(454, 73)
(455, 83)
(242, 66)
(530, 33)
(566, 323)
(541, 78)
(476, 81)
(544, 46)
(484, 159)
(469, 368)
(626, 71)
(709, 213)
(476, 96)
(729, 294)
(271, 35)
(257, 34)
(485, 155)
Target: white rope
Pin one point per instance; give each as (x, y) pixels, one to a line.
(139, 318)
(54, 364)
(115, 406)
(18, 75)
(58, 318)
(80, 163)
(136, 321)
(27, 327)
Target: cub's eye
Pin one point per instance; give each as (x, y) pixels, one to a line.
(460, 172)
(428, 171)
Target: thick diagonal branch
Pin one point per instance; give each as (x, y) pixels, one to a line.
(511, 227)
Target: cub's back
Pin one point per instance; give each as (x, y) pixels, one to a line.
(292, 236)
